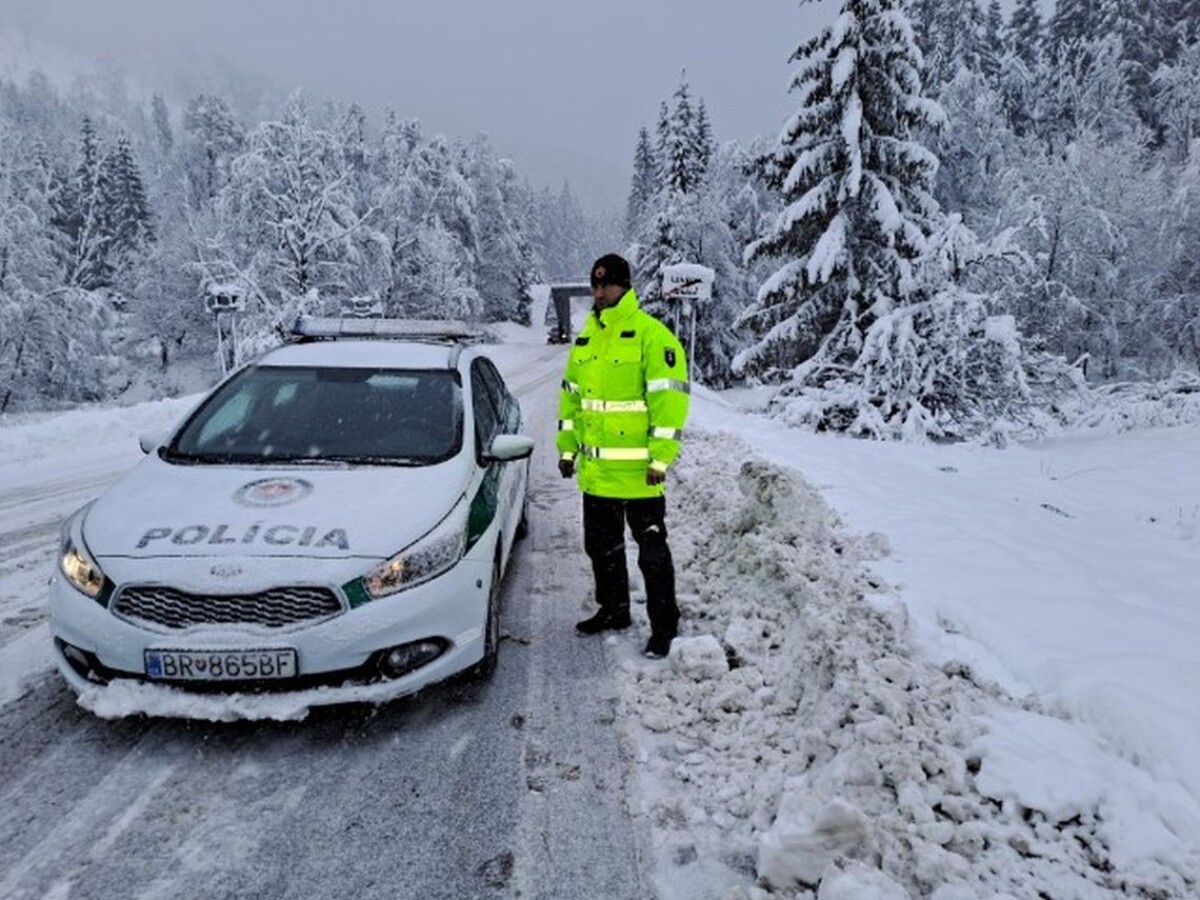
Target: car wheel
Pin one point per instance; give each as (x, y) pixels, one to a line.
(491, 629)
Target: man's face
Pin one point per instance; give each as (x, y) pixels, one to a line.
(606, 295)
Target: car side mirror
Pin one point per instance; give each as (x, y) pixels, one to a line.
(507, 447)
(149, 440)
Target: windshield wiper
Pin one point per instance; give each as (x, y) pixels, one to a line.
(293, 460)
(175, 456)
(378, 460)
(236, 459)
(259, 459)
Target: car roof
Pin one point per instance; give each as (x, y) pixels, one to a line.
(352, 354)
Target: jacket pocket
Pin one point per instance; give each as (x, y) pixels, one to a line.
(623, 380)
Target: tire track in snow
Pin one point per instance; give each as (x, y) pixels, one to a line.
(108, 809)
(573, 758)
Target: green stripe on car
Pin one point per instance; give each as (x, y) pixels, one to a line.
(484, 504)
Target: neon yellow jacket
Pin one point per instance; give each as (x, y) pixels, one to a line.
(624, 401)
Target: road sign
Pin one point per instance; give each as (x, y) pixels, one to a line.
(687, 281)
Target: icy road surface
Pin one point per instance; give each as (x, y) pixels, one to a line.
(514, 787)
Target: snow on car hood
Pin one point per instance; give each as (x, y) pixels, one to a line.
(160, 509)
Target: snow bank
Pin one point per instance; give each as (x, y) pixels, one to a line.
(823, 758)
(86, 432)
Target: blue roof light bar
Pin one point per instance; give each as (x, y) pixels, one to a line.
(432, 330)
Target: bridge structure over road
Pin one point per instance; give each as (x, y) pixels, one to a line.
(561, 295)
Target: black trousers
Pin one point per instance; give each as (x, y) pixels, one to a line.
(604, 521)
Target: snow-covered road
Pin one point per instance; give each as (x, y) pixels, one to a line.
(463, 791)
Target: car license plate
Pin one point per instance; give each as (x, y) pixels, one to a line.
(221, 665)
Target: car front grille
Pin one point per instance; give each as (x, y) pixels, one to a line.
(276, 608)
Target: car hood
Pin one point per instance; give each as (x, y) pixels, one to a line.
(164, 510)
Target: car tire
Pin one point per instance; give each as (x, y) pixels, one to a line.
(491, 629)
(522, 529)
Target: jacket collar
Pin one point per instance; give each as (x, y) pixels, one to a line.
(619, 312)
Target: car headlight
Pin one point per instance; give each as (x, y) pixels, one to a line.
(423, 559)
(74, 561)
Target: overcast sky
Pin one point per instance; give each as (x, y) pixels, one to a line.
(560, 86)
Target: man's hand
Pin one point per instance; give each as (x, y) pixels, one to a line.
(566, 468)
(653, 476)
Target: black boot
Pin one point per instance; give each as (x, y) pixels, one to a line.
(658, 647)
(605, 620)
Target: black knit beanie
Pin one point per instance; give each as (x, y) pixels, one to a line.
(611, 269)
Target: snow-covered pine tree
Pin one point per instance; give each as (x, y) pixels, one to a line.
(494, 261)
(562, 241)
(729, 210)
(993, 46)
(368, 253)
(1172, 325)
(82, 216)
(975, 146)
(22, 239)
(654, 241)
(683, 153)
(395, 190)
(661, 130)
(428, 212)
(1175, 25)
(504, 270)
(30, 248)
(448, 198)
(526, 271)
(642, 186)
(950, 34)
(128, 210)
(51, 333)
(652, 234)
(1089, 90)
(212, 137)
(1156, 35)
(161, 118)
(705, 147)
(437, 284)
(350, 130)
(1025, 33)
(857, 189)
(1073, 22)
(681, 156)
(686, 217)
(1177, 103)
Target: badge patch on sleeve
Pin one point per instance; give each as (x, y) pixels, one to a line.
(669, 356)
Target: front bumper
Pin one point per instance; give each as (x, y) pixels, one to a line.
(338, 659)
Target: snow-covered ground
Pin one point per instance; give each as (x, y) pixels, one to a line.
(1006, 704)
(945, 672)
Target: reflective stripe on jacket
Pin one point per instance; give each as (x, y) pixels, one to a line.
(624, 401)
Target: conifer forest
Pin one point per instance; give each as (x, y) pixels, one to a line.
(976, 221)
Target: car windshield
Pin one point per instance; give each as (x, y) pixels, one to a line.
(298, 415)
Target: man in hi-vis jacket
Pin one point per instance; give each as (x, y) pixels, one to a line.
(622, 408)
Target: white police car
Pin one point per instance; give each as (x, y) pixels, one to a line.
(337, 514)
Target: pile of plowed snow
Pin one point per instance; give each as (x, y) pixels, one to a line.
(792, 746)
